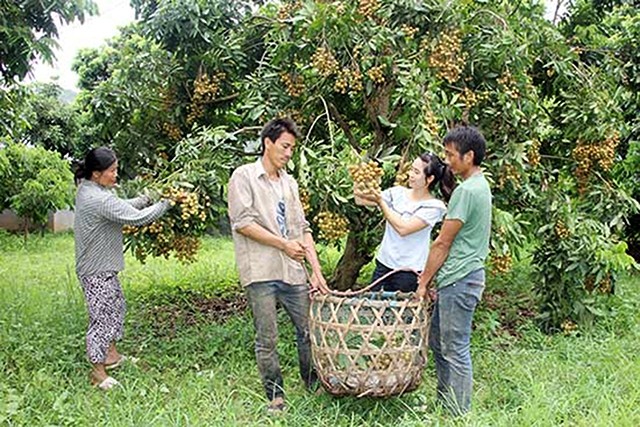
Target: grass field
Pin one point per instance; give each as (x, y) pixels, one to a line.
(194, 369)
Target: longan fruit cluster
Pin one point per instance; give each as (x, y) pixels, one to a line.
(533, 153)
(509, 174)
(186, 247)
(187, 203)
(568, 326)
(294, 115)
(294, 84)
(333, 226)
(366, 177)
(605, 285)
(408, 30)
(501, 263)
(205, 89)
(172, 131)
(431, 123)
(509, 84)
(561, 230)
(469, 98)
(167, 99)
(447, 56)
(324, 61)
(177, 232)
(357, 51)
(287, 10)
(607, 151)
(368, 8)
(348, 80)
(305, 200)
(402, 176)
(376, 74)
(590, 155)
(382, 362)
(590, 283)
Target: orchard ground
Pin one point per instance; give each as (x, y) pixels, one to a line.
(191, 337)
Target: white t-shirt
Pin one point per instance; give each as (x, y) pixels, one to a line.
(411, 250)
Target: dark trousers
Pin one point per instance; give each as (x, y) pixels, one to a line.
(403, 281)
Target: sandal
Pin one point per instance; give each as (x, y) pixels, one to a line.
(117, 363)
(107, 384)
(276, 407)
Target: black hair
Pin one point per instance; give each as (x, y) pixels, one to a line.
(441, 173)
(276, 127)
(98, 159)
(467, 138)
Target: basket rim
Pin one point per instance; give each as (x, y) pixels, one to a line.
(372, 299)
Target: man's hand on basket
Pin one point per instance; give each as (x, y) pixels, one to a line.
(424, 291)
(295, 250)
(318, 283)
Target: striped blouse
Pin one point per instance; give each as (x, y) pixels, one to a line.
(99, 217)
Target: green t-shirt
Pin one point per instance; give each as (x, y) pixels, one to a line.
(471, 204)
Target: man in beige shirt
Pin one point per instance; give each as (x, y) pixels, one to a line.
(272, 239)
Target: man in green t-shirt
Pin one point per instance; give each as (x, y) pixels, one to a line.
(456, 261)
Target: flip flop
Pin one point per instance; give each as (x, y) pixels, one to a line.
(117, 363)
(108, 383)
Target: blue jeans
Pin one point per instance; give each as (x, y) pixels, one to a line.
(295, 300)
(450, 337)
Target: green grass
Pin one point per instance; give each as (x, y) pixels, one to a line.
(204, 373)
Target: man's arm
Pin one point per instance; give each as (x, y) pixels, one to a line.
(317, 279)
(244, 218)
(258, 233)
(438, 254)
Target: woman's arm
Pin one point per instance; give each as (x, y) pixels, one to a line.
(121, 212)
(402, 226)
(139, 202)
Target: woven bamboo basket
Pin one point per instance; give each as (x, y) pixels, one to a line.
(369, 343)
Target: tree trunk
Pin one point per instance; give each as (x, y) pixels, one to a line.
(26, 230)
(357, 253)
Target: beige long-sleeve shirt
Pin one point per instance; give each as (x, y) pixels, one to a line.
(253, 199)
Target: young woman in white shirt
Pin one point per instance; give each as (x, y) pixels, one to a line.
(410, 215)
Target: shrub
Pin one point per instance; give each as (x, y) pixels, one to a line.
(34, 182)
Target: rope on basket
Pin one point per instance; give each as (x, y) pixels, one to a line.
(368, 343)
(366, 288)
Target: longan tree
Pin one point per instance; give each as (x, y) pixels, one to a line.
(384, 80)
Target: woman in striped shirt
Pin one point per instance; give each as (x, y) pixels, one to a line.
(99, 218)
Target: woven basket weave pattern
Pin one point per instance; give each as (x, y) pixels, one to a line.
(373, 344)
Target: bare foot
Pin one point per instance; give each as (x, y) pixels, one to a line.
(112, 355)
(96, 377)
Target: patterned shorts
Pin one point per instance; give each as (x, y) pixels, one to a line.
(106, 306)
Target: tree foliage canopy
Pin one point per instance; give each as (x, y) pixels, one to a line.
(28, 30)
(184, 91)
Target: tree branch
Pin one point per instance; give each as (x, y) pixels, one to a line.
(344, 126)
(223, 99)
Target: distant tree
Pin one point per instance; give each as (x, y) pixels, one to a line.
(34, 182)
(52, 124)
(28, 30)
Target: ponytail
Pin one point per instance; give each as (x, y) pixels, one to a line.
(441, 173)
(80, 173)
(447, 182)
